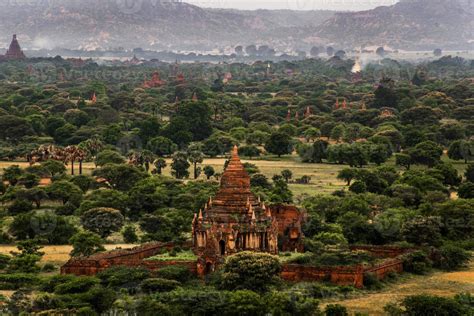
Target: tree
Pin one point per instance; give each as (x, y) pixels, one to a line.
(279, 144)
(26, 261)
(337, 132)
(422, 230)
(466, 190)
(403, 160)
(29, 180)
(348, 174)
(65, 191)
(129, 234)
(426, 153)
(162, 146)
(461, 150)
(108, 157)
(14, 127)
(195, 157)
(314, 52)
(287, 175)
(311, 134)
(12, 174)
(180, 165)
(426, 305)
(249, 151)
(85, 244)
(35, 195)
(120, 177)
(159, 164)
(103, 221)
(438, 52)
(469, 174)
(251, 271)
(280, 192)
(209, 171)
(54, 167)
(380, 51)
(330, 51)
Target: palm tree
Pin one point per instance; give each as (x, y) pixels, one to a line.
(159, 164)
(196, 157)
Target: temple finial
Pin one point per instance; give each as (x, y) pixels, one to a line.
(200, 215)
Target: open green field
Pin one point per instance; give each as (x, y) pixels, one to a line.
(323, 176)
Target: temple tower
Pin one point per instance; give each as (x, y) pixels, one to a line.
(14, 52)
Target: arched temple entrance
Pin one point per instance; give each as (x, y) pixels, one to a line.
(222, 247)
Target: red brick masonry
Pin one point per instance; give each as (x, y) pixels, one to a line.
(340, 275)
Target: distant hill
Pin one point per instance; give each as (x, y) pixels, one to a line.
(147, 23)
(419, 24)
(167, 24)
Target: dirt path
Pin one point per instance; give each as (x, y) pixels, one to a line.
(438, 283)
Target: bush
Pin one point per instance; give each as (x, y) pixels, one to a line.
(123, 277)
(48, 267)
(159, 285)
(14, 281)
(371, 281)
(426, 305)
(291, 303)
(76, 285)
(19, 206)
(248, 270)
(4, 260)
(49, 284)
(336, 310)
(416, 262)
(177, 273)
(129, 234)
(450, 257)
(46, 301)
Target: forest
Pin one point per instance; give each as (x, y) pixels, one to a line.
(95, 155)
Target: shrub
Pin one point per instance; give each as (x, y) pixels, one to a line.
(19, 206)
(248, 270)
(76, 285)
(48, 267)
(4, 260)
(49, 284)
(123, 277)
(451, 257)
(371, 281)
(159, 285)
(336, 310)
(129, 234)
(177, 273)
(46, 301)
(416, 262)
(245, 302)
(15, 281)
(291, 303)
(426, 305)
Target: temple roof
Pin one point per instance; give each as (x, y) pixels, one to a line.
(14, 51)
(234, 196)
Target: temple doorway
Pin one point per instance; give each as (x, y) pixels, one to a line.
(208, 268)
(222, 247)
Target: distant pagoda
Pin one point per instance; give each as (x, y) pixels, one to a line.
(14, 52)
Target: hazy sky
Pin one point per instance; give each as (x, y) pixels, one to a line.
(293, 4)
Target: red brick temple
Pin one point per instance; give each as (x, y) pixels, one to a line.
(14, 52)
(236, 220)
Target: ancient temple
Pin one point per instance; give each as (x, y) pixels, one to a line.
(236, 220)
(154, 82)
(14, 52)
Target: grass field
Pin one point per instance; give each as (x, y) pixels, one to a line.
(438, 283)
(323, 176)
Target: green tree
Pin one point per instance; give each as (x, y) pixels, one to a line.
(279, 144)
(195, 157)
(129, 234)
(466, 190)
(161, 146)
(180, 165)
(426, 153)
(209, 171)
(403, 160)
(252, 271)
(85, 244)
(54, 167)
(159, 164)
(469, 174)
(103, 221)
(347, 174)
(12, 174)
(120, 177)
(287, 174)
(108, 157)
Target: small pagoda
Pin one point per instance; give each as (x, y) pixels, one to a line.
(236, 220)
(14, 52)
